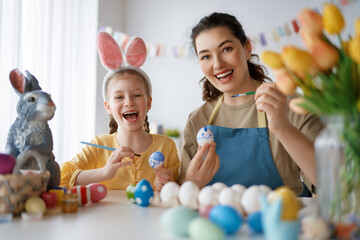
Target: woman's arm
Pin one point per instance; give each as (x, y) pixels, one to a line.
(300, 147)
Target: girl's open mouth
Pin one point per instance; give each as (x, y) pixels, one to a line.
(131, 116)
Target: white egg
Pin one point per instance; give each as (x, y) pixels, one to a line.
(188, 194)
(218, 186)
(265, 189)
(204, 135)
(228, 196)
(250, 200)
(239, 188)
(169, 192)
(208, 196)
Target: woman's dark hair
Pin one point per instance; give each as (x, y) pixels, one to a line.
(113, 126)
(256, 71)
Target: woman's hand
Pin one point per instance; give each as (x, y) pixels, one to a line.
(163, 176)
(115, 161)
(270, 100)
(199, 171)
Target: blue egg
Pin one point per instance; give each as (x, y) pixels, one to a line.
(226, 217)
(254, 221)
(156, 159)
(143, 193)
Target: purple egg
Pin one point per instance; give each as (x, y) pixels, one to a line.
(7, 163)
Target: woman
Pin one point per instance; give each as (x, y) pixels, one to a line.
(245, 151)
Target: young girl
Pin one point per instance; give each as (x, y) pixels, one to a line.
(127, 99)
(246, 152)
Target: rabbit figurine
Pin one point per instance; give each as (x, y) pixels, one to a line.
(30, 130)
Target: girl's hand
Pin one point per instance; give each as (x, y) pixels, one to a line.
(199, 171)
(115, 161)
(163, 176)
(270, 100)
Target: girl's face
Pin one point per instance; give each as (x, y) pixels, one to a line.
(128, 101)
(223, 59)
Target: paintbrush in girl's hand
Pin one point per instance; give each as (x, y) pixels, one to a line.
(243, 94)
(104, 147)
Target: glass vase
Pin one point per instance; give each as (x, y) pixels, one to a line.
(337, 150)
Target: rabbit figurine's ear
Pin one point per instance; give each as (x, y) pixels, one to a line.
(18, 81)
(33, 83)
(109, 51)
(135, 52)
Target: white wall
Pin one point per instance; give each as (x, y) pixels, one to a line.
(176, 91)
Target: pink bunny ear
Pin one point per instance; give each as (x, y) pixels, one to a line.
(109, 51)
(135, 52)
(17, 80)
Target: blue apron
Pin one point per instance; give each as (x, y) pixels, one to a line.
(244, 153)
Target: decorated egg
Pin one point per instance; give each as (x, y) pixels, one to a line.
(83, 194)
(143, 193)
(202, 228)
(290, 206)
(7, 163)
(254, 221)
(98, 191)
(226, 217)
(156, 159)
(204, 136)
(208, 196)
(188, 194)
(35, 205)
(177, 220)
(169, 193)
(130, 192)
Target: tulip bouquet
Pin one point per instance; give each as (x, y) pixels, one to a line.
(328, 77)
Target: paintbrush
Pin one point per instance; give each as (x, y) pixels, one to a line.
(104, 147)
(243, 94)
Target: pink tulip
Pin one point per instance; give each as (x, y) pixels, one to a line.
(284, 81)
(311, 21)
(324, 55)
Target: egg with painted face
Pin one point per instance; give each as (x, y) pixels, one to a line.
(204, 136)
(143, 193)
(156, 159)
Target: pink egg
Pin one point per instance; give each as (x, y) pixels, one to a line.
(204, 210)
(7, 163)
(98, 191)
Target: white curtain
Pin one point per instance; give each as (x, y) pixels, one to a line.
(56, 41)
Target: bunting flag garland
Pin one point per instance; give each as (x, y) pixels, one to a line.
(160, 50)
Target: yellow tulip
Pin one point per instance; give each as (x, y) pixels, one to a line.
(333, 20)
(311, 21)
(293, 105)
(354, 49)
(284, 82)
(324, 55)
(272, 59)
(296, 59)
(357, 27)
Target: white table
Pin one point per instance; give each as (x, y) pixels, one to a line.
(112, 218)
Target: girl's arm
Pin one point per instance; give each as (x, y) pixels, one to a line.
(107, 172)
(300, 147)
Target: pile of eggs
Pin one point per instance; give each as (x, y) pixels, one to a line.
(216, 210)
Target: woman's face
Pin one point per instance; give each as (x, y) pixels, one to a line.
(223, 59)
(128, 101)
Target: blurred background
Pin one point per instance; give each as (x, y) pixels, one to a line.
(56, 41)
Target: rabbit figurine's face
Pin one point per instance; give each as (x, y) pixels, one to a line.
(36, 106)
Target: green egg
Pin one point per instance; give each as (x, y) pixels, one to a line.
(177, 220)
(130, 192)
(202, 228)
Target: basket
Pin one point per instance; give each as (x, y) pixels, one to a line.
(16, 188)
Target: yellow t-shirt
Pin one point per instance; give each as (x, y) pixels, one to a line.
(93, 157)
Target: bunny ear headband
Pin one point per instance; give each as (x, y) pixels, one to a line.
(116, 60)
